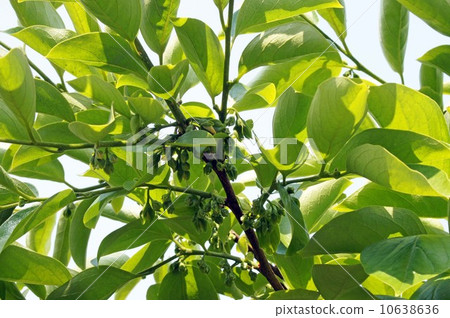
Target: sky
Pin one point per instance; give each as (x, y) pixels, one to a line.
(362, 39)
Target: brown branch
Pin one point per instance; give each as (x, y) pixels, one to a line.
(233, 203)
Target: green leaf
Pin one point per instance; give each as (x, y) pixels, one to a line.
(146, 256)
(156, 25)
(296, 270)
(404, 262)
(82, 21)
(8, 226)
(294, 294)
(132, 235)
(123, 16)
(394, 27)
(39, 238)
(101, 91)
(289, 119)
(300, 236)
(103, 50)
(204, 52)
(9, 291)
(79, 234)
(196, 109)
(317, 199)
(287, 156)
(396, 106)
(259, 96)
(221, 4)
(353, 231)
(336, 18)
(410, 147)
(434, 12)
(94, 283)
(281, 44)
(340, 282)
(42, 38)
(31, 220)
(432, 83)
(50, 101)
(13, 185)
(61, 250)
(10, 127)
(192, 285)
(37, 13)
(380, 166)
(254, 15)
(184, 226)
(304, 74)
(149, 109)
(373, 194)
(434, 289)
(20, 265)
(92, 133)
(337, 110)
(17, 87)
(165, 81)
(92, 215)
(193, 138)
(438, 57)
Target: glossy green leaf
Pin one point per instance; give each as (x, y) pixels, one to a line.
(434, 289)
(92, 133)
(124, 291)
(303, 74)
(103, 50)
(79, 234)
(300, 236)
(434, 12)
(9, 291)
(31, 220)
(92, 214)
(291, 112)
(94, 283)
(410, 147)
(254, 15)
(432, 83)
(61, 250)
(353, 231)
(37, 13)
(281, 44)
(259, 96)
(287, 155)
(21, 265)
(42, 38)
(373, 194)
(296, 270)
(123, 16)
(196, 109)
(13, 185)
(204, 52)
(50, 101)
(404, 262)
(192, 284)
(132, 235)
(341, 282)
(336, 18)
(438, 57)
(10, 127)
(337, 110)
(146, 256)
(165, 81)
(394, 27)
(101, 91)
(317, 199)
(156, 26)
(380, 166)
(194, 138)
(294, 294)
(83, 22)
(17, 87)
(38, 238)
(149, 109)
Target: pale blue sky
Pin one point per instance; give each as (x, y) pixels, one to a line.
(363, 40)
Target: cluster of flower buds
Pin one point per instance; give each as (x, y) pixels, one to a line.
(180, 164)
(103, 160)
(207, 209)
